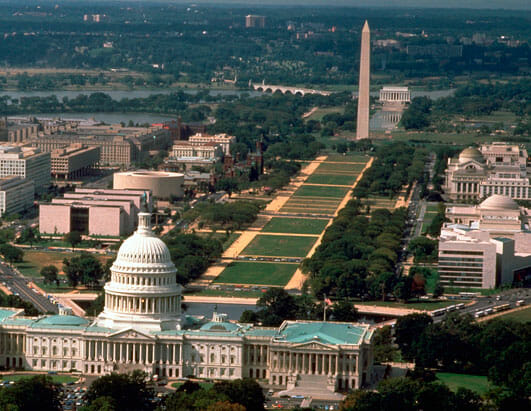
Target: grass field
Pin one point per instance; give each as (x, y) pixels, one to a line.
(522, 316)
(279, 246)
(428, 218)
(351, 158)
(226, 293)
(477, 383)
(34, 260)
(321, 112)
(295, 225)
(322, 192)
(335, 168)
(380, 202)
(331, 179)
(242, 272)
(432, 208)
(304, 205)
(58, 379)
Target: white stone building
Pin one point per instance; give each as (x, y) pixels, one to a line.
(497, 168)
(142, 327)
(223, 140)
(486, 245)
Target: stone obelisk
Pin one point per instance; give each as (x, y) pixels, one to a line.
(362, 130)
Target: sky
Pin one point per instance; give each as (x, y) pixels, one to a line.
(475, 4)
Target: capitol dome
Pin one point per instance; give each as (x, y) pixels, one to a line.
(143, 292)
(469, 154)
(499, 202)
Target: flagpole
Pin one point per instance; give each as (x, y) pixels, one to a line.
(324, 308)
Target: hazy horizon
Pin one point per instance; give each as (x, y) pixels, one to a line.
(448, 4)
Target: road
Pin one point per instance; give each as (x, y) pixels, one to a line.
(504, 297)
(18, 285)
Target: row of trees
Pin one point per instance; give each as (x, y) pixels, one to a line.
(498, 348)
(131, 392)
(276, 305)
(227, 216)
(396, 165)
(472, 99)
(357, 255)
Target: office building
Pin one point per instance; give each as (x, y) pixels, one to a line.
(26, 162)
(92, 212)
(16, 195)
(486, 245)
(74, 161)
(254, 21)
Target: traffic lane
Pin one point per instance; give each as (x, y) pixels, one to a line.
(40, 302)
(19, 285)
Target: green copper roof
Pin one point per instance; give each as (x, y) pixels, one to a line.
(219, 327)
(53, 321)
(324, 332)
(98, 329)
(6, 313)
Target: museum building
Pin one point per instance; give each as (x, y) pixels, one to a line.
(142, 327)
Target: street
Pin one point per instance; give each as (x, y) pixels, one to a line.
(18, 286)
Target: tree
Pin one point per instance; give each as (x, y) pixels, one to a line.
(74, 238)
(403, 289)
(11, 253)
(344, 311)
(423, 248)
(225, 406)
(438, 291)
(85, 269)
(249, 316)
(28, 235)
(49, 272)
(407, 330)
(246, 392)
(28, 394)
(127, 391)
(384, 349)
(277, 305)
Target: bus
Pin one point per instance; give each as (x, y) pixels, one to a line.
(519, 303)
(469, 295)
(502, 307)
(438, 312)
(478, 314)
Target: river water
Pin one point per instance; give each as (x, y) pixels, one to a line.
(377, 123)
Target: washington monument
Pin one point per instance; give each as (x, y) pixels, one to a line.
(362, 130)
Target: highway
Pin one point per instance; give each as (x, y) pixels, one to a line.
(18, 285)
(504, 297)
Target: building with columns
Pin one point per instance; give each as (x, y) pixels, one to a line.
(142, 327)
(395, 95)
(493, 169)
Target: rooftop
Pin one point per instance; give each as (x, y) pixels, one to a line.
(324, 332)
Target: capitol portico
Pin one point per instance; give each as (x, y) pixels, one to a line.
(142, 327)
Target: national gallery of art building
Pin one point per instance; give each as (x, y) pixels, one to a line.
(142, 327)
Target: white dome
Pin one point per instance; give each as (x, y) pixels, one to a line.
(143, 249)
(471, 153)
(143, 292)
(499, 202)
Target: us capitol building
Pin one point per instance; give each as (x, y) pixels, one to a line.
(142, 327)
